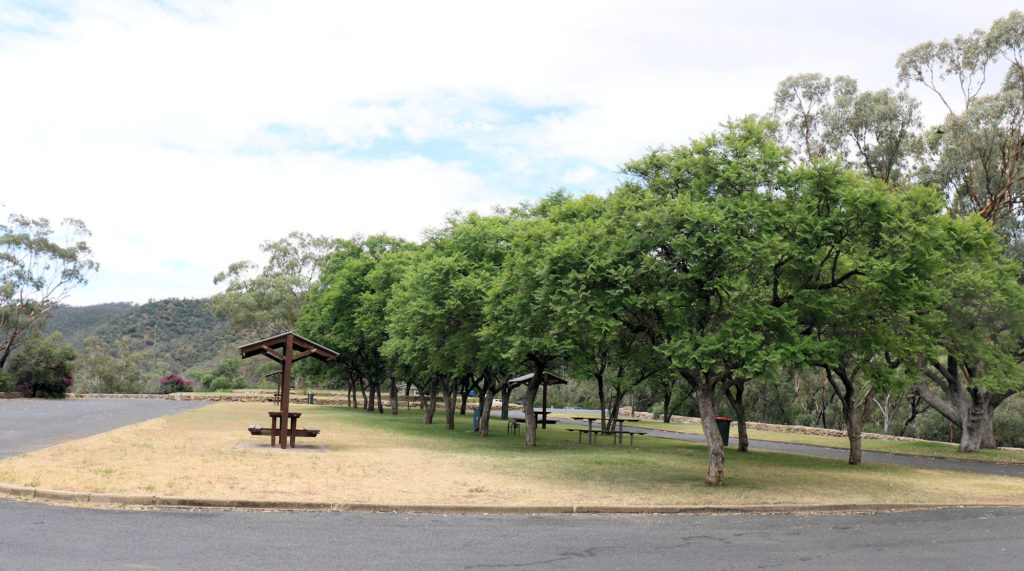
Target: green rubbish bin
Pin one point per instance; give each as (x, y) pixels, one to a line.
(723, 428)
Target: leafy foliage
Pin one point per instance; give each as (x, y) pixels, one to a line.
(42, 367)
(174, 384)
(37, 273)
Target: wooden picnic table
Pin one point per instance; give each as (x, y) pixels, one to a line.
(616, 433)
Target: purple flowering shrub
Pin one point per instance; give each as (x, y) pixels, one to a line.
(174, 384)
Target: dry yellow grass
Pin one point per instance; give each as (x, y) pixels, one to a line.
(383, 459)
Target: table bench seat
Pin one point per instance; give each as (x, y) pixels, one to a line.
(257, 430)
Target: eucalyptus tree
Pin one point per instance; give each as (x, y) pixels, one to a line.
(978, 146)
(976, 158)
(38, 270)
(875, 132)
(269, 300)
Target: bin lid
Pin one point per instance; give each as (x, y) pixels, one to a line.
(723, 418)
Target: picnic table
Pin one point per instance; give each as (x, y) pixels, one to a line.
(542, 417)
(278, 429)
(616, 433)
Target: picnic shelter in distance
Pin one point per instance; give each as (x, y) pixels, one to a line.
(548, 379)
(285, 348)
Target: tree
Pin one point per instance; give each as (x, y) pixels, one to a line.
(38, 270)
(976, 161)
(437, 312)
(269, 300)
(517, 311)
(977, 335)
(100, 372)
(860, 264)
(42, 366)
(977, 149)
(345, 310)
(695, 246)
(875, 132)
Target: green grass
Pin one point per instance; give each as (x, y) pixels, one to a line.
(922, 448)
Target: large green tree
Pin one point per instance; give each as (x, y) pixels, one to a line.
(976, 161)
(694, 238)
(346, 309)
(977, 334)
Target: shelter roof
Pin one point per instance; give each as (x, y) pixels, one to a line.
(548, 377)
(273, 347)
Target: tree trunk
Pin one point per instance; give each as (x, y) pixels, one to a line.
(735, 397)
(716, 449)
(528, 402)
(485, 411)
(602, 404)
(428, 401)
(969, 407)
(506, 394)
(613, 408)
(449, 404)
(854, 412)
(393, 393)
(666, 416)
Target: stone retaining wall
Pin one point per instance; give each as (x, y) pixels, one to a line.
(811, 430)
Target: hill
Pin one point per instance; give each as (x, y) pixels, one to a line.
(78, 323)
(173, 335)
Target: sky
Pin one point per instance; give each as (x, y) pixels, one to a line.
(186, 133)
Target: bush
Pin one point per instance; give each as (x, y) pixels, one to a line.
(174, 384)
(42, 368)
(1008, 422)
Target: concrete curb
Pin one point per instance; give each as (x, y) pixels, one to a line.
(113, 501)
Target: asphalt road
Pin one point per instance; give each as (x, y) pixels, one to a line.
(35, 536)
(32, 424)
(38, 536)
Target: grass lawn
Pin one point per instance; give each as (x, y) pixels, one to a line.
(375, 458)
(922, 448)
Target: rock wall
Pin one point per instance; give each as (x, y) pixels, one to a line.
(811, 430)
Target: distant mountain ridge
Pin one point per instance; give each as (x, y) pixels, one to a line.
(174, 334)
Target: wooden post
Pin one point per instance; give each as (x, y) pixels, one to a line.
(544, 403)
(286, 386)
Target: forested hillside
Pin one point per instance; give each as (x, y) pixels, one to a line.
(165, 336)
(77, 323)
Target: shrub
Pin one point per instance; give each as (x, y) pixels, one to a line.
(174, 384)
(1008, 422)
(42, 368)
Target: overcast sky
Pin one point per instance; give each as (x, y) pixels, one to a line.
(185, 133)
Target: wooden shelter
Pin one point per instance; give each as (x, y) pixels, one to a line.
(548, 379)
(285, 348)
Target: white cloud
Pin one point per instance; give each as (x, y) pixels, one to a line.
(186, 133)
